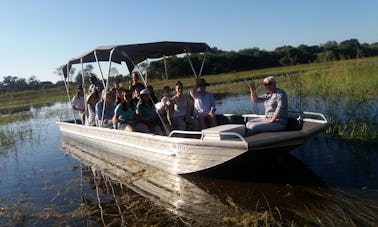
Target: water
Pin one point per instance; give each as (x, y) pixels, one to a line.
(327, 180)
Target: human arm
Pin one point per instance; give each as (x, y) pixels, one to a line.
(195, 87)
(252, 89)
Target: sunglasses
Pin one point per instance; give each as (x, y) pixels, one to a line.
(266, 84)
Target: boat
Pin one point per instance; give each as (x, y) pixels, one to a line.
(182, 152)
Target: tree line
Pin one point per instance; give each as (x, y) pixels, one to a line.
(219, 61)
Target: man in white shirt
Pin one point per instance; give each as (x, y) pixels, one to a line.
(204, 104)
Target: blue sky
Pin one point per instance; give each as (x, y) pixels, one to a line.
(40, 35)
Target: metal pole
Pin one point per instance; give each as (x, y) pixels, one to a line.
(106, 87)
(83, 85)
(99, 66)
(165, 68)
(191, 65)
(68, 92)
(203, 62)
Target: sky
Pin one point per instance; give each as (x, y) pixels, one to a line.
(38, 36)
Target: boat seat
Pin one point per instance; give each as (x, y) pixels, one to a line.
(215, 133)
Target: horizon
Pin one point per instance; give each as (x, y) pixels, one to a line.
(45, 35)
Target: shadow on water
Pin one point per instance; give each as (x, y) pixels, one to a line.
(274, 166)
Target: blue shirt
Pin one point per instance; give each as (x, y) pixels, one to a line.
(109, 110)
(147, 111)
(123, 115)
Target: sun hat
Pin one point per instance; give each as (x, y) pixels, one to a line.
(203, 82)
(144, 92)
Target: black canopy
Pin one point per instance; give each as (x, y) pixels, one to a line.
(136, 53)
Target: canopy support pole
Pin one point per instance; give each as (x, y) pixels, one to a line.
(83, 86)
(99, 66)
(191, 64)
(106, 86)
(68, 91)
(203, 62)
(165, 68)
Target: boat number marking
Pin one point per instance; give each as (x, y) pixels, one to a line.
(178, 147)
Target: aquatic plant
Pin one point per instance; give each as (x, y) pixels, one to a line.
(10, 136)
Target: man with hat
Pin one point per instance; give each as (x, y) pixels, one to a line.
(204, 104)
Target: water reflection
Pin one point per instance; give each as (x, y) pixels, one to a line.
(282, 187)
(115, 179)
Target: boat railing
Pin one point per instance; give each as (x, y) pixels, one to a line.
(219, 135)
(182, 133)
(312, 117)
(307, 115)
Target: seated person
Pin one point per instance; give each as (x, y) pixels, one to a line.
(276, 108)
(182, 118)
(107, 101)
(148, 120)
(204, 104)
(152, 94)
(164, 107)
(124, 113)
(134, 84)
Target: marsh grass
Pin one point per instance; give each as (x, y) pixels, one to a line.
(10, 136)
(30, 97)
(9, 118)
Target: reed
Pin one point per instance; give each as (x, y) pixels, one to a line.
(10, 136)
(9, 118)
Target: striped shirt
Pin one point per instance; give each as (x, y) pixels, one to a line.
(275, 104)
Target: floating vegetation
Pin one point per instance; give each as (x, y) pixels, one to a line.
(10, 136)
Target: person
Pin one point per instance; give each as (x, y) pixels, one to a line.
(92, 87)
(134, 84)
(107, 101)
(117, 84)
(182, 109)
(276, 108)
(204, 104)
(78, 103)
(91, 108)
(152, 94)
(124, 113)
(147, 115)
(164, 107)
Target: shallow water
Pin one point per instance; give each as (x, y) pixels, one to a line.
(42, 184)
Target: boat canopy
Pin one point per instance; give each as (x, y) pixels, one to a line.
(135, 53)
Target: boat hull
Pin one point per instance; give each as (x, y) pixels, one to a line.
(171, 154)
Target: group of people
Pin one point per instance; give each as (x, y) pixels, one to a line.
(138, 109)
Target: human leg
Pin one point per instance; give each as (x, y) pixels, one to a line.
(259, 125)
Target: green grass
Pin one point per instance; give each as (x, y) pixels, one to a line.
(354, 82)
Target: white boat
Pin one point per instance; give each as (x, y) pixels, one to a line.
(183, 152)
